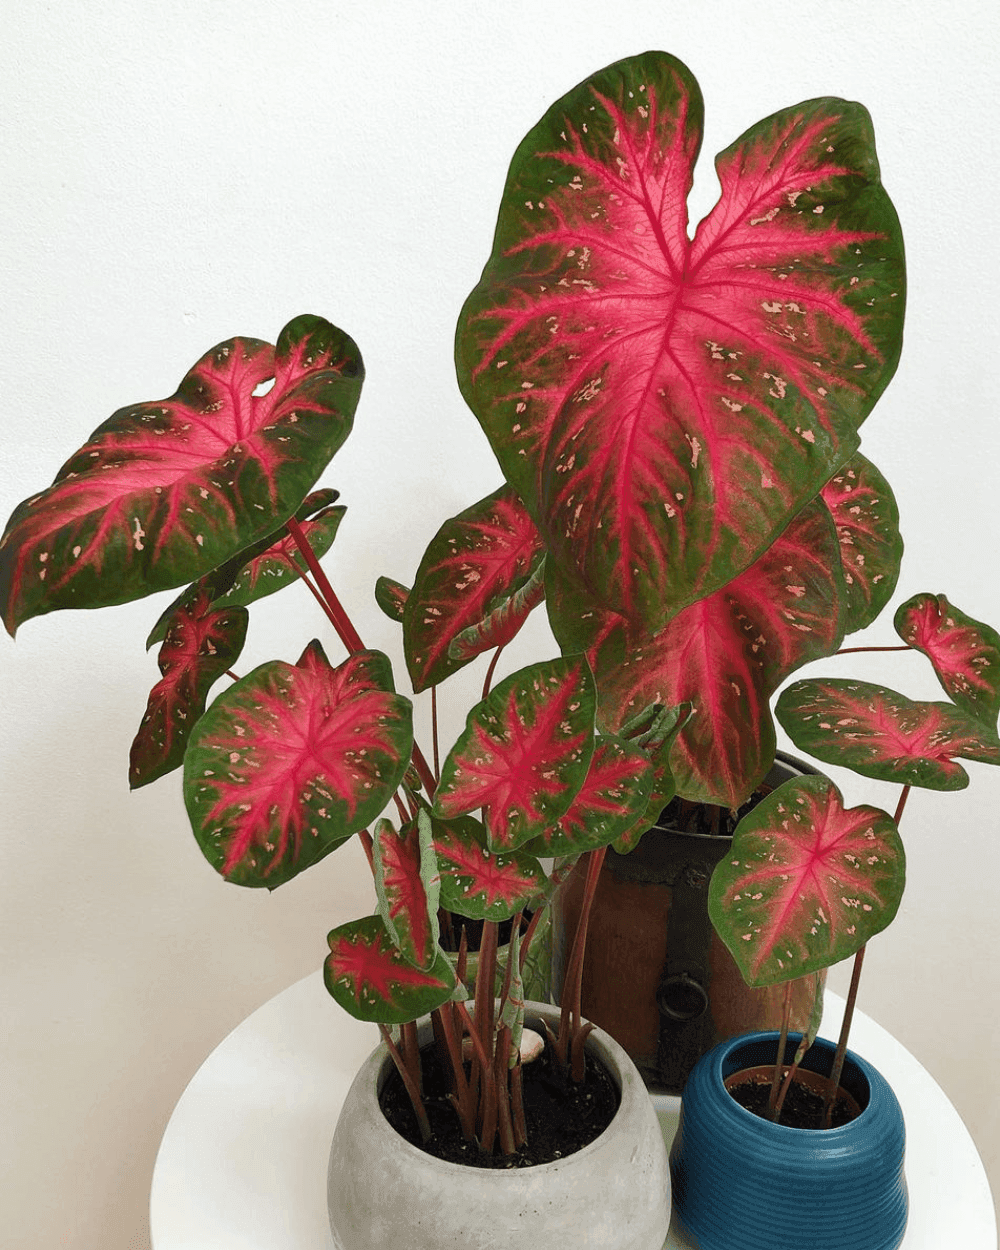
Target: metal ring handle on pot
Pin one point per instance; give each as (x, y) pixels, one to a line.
(682, 998)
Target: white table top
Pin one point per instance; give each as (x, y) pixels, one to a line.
(243, 1161)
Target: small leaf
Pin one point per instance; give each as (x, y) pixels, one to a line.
(266, 566)
(503, 623)
(615, 793)
(479, 883)
(864, 511)
(391, 597)
(474, 564)
(884, 735)
(408, 888)
(806, 883)
(201, 644)
(965, 653)
(293, 759)
(815, 1019)
(165, 491)
(512, 1011)
(371, 980)
(524, 753)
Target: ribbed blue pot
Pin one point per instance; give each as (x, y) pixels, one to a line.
(743, 1183)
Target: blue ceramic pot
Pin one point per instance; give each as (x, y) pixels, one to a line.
(743, 1183)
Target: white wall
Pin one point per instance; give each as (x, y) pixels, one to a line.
(176, 173)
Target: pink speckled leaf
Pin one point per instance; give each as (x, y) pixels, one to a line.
(503, 623)
(291, 760)
(474, 564)
(882, 734)
(724, 655)
(664, 405)
(965, 652)
(407, 887)
(864, 511)
(807, 883)
(525, 752)
(479, 883)
(370, 979)
(201, 643)
(391, 597)
(264, 567)
(615, 793)
(163, 492)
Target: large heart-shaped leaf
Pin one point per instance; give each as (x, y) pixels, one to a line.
(479, 883)
(806, 883)
(615, 793)
(370, 979)
(202, 642)
(525, 752)
(163, 492)
(882, 734)
(725, 655)
(965, 652)
(664, 405)
(864, 511)
(474, 564)
(291, 760)
(266, 566)
(407, 887)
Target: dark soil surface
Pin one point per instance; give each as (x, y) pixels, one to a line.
(803, 1108)
(561, 1117)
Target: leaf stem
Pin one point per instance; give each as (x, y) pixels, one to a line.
(488, 682)
(570, 1022)
(342, 623)
(786, 1013)
(411, 1089)
(858, 650)
(434, 732)
(845, 1029)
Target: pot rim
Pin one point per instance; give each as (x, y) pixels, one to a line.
(719, 1066)
(599, 1044)
(781, 758)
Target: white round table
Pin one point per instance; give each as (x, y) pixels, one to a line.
(242, 1164)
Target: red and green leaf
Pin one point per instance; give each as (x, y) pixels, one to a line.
(525, 752)
(807, 883)
(724, 655)
(370, 979)
(264, 567)
(293, 759)
(664, 405)
(965, 652)
(614, 795)
(481, 884)
(201, 644)
(407, 887)
(163, 492)
(391, 597)
(882, 734)
(503, 623)
(864, 511)
(473, 566)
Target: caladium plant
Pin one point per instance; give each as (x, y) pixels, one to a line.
(676, 421)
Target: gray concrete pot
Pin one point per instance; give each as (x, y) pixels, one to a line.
(612, 1195)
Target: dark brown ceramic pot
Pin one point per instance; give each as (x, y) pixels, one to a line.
(656, 976)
